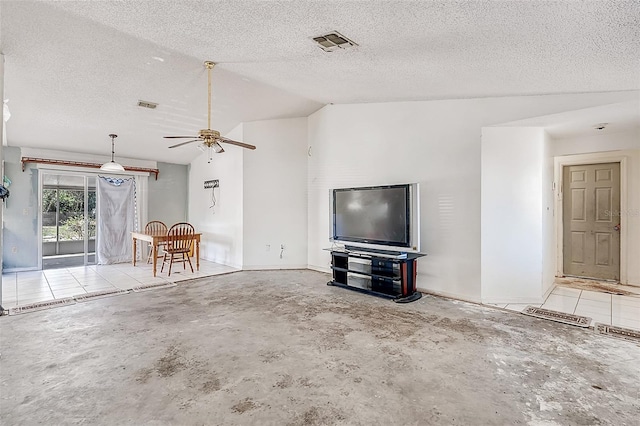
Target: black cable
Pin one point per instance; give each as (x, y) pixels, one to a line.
(213, 198)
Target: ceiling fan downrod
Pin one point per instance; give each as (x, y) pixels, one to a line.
(209, 65)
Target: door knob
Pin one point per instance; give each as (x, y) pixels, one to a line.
(617, 227)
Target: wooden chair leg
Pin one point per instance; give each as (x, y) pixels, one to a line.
(170, 264)
(164, 260)
(190, 264)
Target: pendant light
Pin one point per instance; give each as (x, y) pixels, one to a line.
(112, 166)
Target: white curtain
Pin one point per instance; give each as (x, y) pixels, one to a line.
(142, 210)
(116, 205)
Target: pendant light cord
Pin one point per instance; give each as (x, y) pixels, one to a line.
(113, 150)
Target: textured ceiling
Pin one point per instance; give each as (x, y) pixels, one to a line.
(75, 70)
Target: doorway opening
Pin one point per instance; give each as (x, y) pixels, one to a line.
(68, 220)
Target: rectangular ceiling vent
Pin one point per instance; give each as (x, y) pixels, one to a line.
(145, 104)
(333, 41)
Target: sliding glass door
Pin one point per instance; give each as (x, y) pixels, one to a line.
(68, 218)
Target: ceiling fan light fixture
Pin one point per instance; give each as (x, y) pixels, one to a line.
(112, 166)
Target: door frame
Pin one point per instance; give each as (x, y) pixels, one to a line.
(85, 176)
(560, 162)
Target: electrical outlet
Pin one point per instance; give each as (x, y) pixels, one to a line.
(215, 183)
(268, 248)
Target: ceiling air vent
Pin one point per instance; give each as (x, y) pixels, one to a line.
(145, 104)
(333, 41)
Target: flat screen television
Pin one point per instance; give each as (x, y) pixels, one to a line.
(379, 217)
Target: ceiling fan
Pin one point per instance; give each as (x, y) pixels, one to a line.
(209, 138)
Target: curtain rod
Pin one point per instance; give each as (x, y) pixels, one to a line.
(25, 160)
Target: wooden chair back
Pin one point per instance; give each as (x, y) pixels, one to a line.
(155, 227)
(180, 238)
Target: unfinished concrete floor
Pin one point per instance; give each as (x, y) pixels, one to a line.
(282, 348)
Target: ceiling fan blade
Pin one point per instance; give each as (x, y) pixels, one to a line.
(184, 143)
(232, 142)
(179, 137)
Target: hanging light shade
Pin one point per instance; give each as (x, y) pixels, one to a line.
(112, 166)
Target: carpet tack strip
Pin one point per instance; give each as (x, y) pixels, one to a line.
(146, 287)
(562, 317)
(620, 332)
(99, 295)
(39, 306)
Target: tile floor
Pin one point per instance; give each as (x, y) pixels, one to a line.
(604, 308)
(21, 288)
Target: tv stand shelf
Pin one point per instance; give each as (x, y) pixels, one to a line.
(379, 274)
(385, 274)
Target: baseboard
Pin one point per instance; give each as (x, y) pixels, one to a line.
(548, 292)
(516, 300)
(10, 270)
(271, 267)
(319, 269)
(448, 295)
(231, 265)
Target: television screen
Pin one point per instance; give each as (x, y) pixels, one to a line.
(375, 215)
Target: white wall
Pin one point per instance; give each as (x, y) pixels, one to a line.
(1, 162)
(275, 194)
(221, 225)
(436, 144)
(512, 214)
(598, 142)
(548, 218)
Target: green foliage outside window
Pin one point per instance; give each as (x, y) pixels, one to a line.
(70, 215)
(70, 200)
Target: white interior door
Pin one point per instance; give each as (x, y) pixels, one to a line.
(591, 213)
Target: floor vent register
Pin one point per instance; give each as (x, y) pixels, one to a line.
(39, 306)
(146, 287)
(620, 332)
(99, 295)
(562, 317)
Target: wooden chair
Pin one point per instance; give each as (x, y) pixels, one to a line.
(178, 245)
(155, 227)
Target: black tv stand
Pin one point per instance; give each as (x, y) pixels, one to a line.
(373, 250)
(382, 273)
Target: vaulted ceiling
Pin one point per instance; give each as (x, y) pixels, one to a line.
(75, 70)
